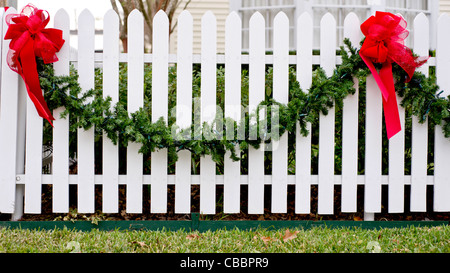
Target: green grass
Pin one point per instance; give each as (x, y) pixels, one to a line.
(317, 239)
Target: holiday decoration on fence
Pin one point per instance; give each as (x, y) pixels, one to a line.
(385, 35)
(383, 49)
(30, 39)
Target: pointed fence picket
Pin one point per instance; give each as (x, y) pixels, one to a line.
(208, 109)
(232, 169)
(184, 111)
(110, 88)
(256, 95)
(303, 143)
(281, 94)
(419, 145)
(349, 130)
(135, 100)
(159, 109)
(86, 141)
(326, 122)
(21, 150)
(60, 156)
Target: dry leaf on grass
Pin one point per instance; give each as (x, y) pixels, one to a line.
(142, 244)
(266, 239)
(192, 236)
(289, 235)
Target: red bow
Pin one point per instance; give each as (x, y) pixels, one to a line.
(30, 39)
(385, 34)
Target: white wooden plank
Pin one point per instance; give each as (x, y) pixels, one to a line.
(232, 169)
(8, 128)
(441, 143)
(303, 144)
(208, 109)
(397, 166)
(135, 100)
(373, 131)
(280, 94)
(396, 187)
(33, 157)
(327, 122)
(256, 95)
(86, 47)
(160, 109)
(110, 168)
(184, 110)
(60, 164)
(419, 146)
(350, 128)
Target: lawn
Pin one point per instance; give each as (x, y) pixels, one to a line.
(314, 240)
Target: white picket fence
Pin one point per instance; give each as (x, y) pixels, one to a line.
(21, 150)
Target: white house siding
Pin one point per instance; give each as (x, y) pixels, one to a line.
(444, 6)
(197, 8)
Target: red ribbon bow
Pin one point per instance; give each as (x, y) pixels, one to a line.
(385, 34)
(30, 39)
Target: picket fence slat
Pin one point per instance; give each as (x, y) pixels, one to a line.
(22, 152)
(232, 169)
(256, 95)
(373, 149)
(281, 94)
(208, 109)
(86, 157)
(110, 167)
(184, 110)
(442, 145)
(33, 157)
(60, 156)
(349, 130)
(419, 145)
(327, 122)
(8, 128)
(135, 100)
(160, 109)
(303, 143)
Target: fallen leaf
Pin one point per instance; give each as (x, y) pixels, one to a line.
(266, 239)
(142, 244)
(192, 236)
(357, 218)
(289, 235)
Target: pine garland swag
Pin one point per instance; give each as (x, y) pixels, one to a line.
(420, 97)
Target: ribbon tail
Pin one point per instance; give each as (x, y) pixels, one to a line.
(390, 106)
(31, 78)
(383, 89)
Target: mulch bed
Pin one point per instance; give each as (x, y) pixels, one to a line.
(47, 214)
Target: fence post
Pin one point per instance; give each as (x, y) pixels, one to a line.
(9, 132)
(20, 154)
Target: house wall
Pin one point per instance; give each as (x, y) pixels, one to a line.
(444, 6)
(197, 8)
(221, 9)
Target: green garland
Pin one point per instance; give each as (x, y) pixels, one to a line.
(420, 96)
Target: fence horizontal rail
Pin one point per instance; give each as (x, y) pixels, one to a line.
(220, 59)
(47, 179)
